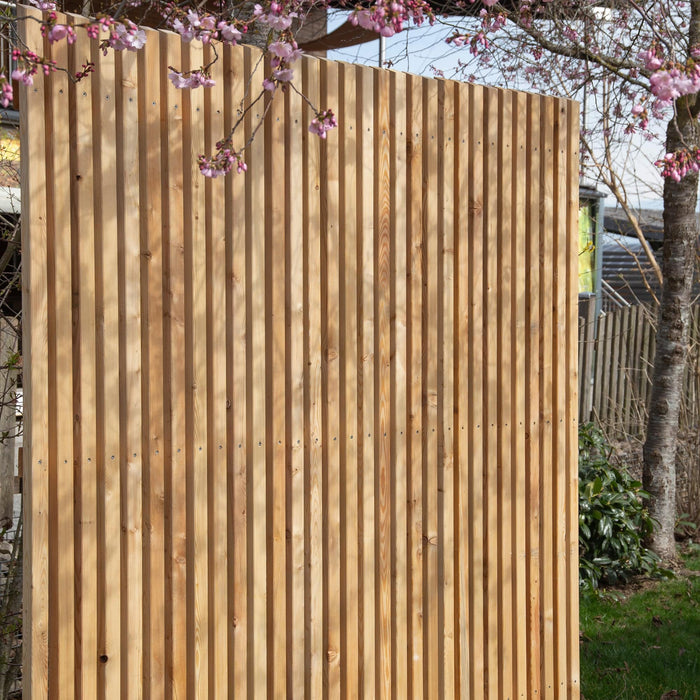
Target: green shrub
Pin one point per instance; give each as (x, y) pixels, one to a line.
(613, 520)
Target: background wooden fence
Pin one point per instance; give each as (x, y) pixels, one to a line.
(307, 432)
(616, 356)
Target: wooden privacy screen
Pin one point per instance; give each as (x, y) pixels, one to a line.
(308, 431)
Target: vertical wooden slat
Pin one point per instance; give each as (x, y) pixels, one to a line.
(113, 658)
(505, 395)
(236, 360)
(35, 565)
(366, 282)
(600, 365)
(462, 359)
(275, 430)
(333, 653)
(432, 595)
(520, 427)
(447, 493)
(532, 352)
(296, 667)
(314, 399)
(86, 488)
(547, 407)
(382, 375)
(475, 390)
(150, 70)
(255, 394)
(637, 413)
(611, 396)
(490, 398)
(632, 361)
(349, 276)
(176, 674)
(217, 398)
(623, 344)
(399, 380)
(135, 396)
(196, 382)
(414, 243)
(61, 542)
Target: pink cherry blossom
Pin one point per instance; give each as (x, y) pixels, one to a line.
(127, 37)
(675, 82)
(223, 161)
(322, 123)
(42, 5)
(23, 76)
(191, 80)
(679, 164)
(5, 92)
(283, 75)
(229, 33)
(651, 59)
(60, 32)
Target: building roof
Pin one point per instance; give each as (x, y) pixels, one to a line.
(651, 222)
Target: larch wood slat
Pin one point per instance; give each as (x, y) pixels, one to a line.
(349, 227)
(176, 672)
(431, 461)
(325, 423)
(448, 500)
(462, 361)
(475, 390)
(505, 399)
(217, 397)
(490, 398)
(532, 457)
(414, 292)
(275, 346)
(61, 535)
(133, 353)
(257, 378)
(150, 70)
(399, 493)
(112, 628)
(237, 358)
(314, 397)
(382, 353)
(519, 381)
(297, 611)
(334, 654)
(86, 425)
(197, 390)
(548, 408)
(366, 311)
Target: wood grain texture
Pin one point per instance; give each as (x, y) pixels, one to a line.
(83, 214)
(325, 433)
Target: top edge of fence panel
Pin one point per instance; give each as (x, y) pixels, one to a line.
(28, 12)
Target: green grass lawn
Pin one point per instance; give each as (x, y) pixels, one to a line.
(646, 643)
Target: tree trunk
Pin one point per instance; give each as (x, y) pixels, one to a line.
(680, 236)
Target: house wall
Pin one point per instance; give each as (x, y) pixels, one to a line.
(308, 431)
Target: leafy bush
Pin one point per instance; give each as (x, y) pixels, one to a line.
(613, 520)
